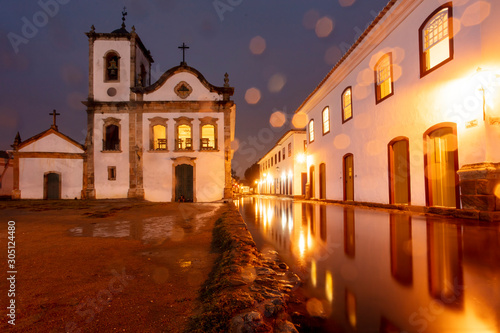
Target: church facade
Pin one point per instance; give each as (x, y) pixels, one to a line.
(166, 141)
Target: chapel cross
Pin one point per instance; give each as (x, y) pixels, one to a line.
(124, 13)
(54, 114)
(183, 47)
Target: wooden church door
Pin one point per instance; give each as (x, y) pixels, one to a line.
(348, 177)
(52, 190)
(184, 183)
(399, 172)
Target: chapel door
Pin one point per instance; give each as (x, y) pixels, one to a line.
(52, 189)
(442, 168)
(399, 171)
(348, 177)
(184, 183)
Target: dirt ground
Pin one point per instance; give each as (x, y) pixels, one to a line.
(105, 266)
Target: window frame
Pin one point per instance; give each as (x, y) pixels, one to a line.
(157, 121)
(421, 31)
(179, 122)
(311, 133)
(344, 119)
(327, 109)
(111, 172)
(376, 71)
(111, 121)
(107, 55)
(212, 122)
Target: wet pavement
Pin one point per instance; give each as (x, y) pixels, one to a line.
(366, 270)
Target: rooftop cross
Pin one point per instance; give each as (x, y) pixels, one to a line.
(124, 13)
(54, 114)
(183, 47)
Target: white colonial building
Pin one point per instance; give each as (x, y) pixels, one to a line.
(283, 169)
(166, 141)
(410, 115)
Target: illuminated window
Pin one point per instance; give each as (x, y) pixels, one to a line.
(290, 149)
(208, 134)
(347, 104)
(112, 66)
(326, 120)
(383, 78)
(311, 131)
(158, 133)
(184, 134)
(436, 44)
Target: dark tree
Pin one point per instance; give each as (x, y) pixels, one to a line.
(252, 174)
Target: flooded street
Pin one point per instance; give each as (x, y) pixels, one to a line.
(374, 271)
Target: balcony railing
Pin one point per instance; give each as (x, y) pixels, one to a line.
(111, 145)
(184, 144)
(207, 144)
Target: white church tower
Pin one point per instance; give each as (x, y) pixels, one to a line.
(166, 141)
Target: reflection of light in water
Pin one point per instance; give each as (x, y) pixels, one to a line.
(283, 220)
(315, 307)
(329, 286)
(310, 240)
(257, 45)
(290, 223)
(314, 273)
(269, 213)
(324, 27)
(351, 308)
(252, 96)
(302, 244)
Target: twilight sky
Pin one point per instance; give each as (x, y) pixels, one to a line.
(275, 53)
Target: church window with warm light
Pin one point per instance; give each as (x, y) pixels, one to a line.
(326, 120)
(436, 42)
(383, 78)
(184, 134)
(311, 131)
(347, 104)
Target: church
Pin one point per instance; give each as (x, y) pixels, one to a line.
(162, 141)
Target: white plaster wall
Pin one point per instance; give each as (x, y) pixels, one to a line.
(157, 165)
(166, 92)
(101, 47)
(31, 176)
(52, 143)
(140, 58)
(111, 188)
(417, 104)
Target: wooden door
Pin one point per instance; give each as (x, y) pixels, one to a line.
(322, 181)
(184, 183)
(312, 189)
(348, 177)
(399, 172)
(52, 183)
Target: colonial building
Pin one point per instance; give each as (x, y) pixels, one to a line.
(283, 169)
(6, 173)
(410, 114)
(166, 141)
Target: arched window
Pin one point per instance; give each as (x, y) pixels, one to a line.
(436, 42)
(384, 86)
(326, 120)
(311, 131)
(346, 104)
(112, 66)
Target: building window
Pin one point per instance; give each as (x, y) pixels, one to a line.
(346, 104)
(283, 154)
(111, 173)
(208, 133)
(326, 120)
(272, 161)
(183, 134)
(311, 131)
(436, 43)
(290, 149)
(158, 133)
(112, 66)
(384, 86)
(111, 137)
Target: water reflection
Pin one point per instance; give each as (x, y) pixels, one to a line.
(371, 271)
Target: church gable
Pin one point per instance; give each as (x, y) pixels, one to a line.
(182, 83)
(51, 141)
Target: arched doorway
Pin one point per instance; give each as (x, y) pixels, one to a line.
(312, 189)
(52, 186)
(348, 168)
(184, 183)
(399, 171)
(322, 181)
(441, 165)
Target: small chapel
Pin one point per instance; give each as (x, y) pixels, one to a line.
(164, 141)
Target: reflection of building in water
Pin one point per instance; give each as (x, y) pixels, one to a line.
(410, 115)
(387, 272)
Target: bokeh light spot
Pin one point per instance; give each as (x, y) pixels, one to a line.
(332, 55)
(362, 120)
(315, 308)
(475, 13)
(276, 82)
(373, 148)
(342, 141)
(299, 120)
(365, 77)
(235, 144)
(324, 27)
(277, 119)
(252, 96)
(346, 3)
(257, 45)
(310, 19)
